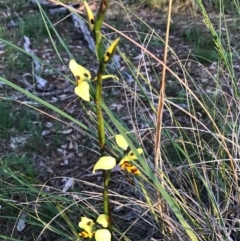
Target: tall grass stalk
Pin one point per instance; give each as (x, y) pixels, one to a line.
(166, 229)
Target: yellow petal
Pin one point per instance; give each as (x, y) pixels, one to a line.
(121, 163)
(110, 51)
(103, 235)
(87, 224)
(82, 90)
(103, 220)
(108, 76)
(105, 163)
(80, 73)
(91, 19)
(121, 142)
(131, 156)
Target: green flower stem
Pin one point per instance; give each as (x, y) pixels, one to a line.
(101, 138)
(100, 50)
(106, 206)
(101, 14)
(99, 45)
(101, 132)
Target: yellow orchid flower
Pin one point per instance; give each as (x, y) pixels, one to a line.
(125, 163)
(108, 162)
(105, 163)
(91, 18)
(88, 225)
(110, 51)
(82, 76)
(90, 228)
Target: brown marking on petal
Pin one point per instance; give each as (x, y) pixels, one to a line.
(86, 75)
(83, 234)
(107, 56)
(88, 223)
(77, 77)
(92, 21)
(128, 164)
(134, 170)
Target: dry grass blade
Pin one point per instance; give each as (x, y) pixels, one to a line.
(165, 227)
